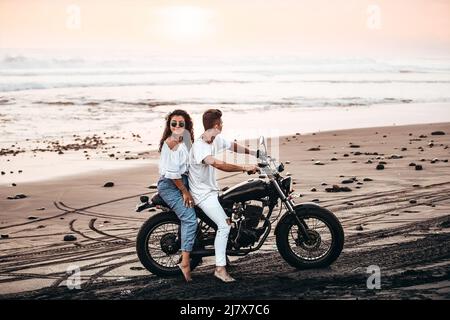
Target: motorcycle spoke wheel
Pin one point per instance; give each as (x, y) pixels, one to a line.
(163, 245)
(318, 246)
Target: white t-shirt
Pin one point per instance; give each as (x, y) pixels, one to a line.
(173, 163)
(202, 176)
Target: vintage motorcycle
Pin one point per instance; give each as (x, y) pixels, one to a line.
(307, 235)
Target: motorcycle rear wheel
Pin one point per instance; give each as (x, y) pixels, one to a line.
(158, 245)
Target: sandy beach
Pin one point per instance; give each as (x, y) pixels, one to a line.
(396, 217)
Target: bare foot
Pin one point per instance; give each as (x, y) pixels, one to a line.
(223, 275)
(186, 270)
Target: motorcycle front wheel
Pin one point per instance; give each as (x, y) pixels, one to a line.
(158, 245)
(326, 238)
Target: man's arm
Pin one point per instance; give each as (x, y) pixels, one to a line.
(229, 167)
(241, 149)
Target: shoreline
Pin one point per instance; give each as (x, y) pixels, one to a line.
(124, 150)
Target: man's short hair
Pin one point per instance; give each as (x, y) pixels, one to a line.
(211, 117)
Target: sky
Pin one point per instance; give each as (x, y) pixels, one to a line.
(334, 27)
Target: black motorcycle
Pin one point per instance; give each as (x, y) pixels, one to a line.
(307, 235)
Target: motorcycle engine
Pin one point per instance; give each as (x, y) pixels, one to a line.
(247, 218)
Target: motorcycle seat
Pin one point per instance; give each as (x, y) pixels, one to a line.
(158, 201)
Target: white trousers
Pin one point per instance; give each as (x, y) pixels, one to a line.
(212, 208)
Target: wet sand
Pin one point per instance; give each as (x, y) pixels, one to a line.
(397, 218)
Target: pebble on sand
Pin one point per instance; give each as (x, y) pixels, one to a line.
(314, 149)
(438, 133)
(337, 188)
(313, 190)
(380, 167)
(32, 218)
(367, 179)
(412, 164)
(18, 196)
(69, 237)
(4, 236)
(318, 163)
(413, 201)
(347, 181)
(419, 167)
(359, 228)
(108, 185)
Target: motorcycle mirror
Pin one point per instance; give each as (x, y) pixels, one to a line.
(281, 167)
(261, 140)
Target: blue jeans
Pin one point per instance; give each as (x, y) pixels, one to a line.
(174, 199)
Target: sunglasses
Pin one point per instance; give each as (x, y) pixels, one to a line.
(180, 124)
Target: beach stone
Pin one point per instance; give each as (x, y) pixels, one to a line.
(404, 149)
(3, 173)
(18, 196)
(347, 181)
(14, 185)
(60, 152)
(69, 237)
(416, 185)
(395, 156)
(350, 204)
(419, 167)
(380, 167)
(136, 268)
(431, 144)
(324, 184)
(334, 159)
(287, 162)
(412, 164)
(318, 163)
(354, 145)
(315, 200)
(346, 155)
(4, 236)
(382, 162)
(369, 161)
(438, 133)
(354, 161)
(337, 188)
(367, 179)
(313, 190)
(314, 149)
(413, 201)
(357, 153)
(32, 218)
(360, 183)
(359, 228)
(108, 185)
(422, 136)
(40, 209)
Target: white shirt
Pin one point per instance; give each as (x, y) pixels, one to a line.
(173, 163)
(202, 176)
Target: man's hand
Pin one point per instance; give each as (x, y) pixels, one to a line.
(187, 199)
(251, 169)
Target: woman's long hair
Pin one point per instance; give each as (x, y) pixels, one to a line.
(189, 126)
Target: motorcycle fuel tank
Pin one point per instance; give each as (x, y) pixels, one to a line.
(251, 189)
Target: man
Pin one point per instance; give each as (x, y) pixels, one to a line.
(203, 183)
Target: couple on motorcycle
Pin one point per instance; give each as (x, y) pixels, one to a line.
(187, 171)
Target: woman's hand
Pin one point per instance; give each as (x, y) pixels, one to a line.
(187, 199)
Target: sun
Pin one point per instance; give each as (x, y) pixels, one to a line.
(185, 23)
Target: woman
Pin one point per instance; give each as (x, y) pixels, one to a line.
(173, 187)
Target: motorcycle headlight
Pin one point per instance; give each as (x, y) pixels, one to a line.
(286, 184)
